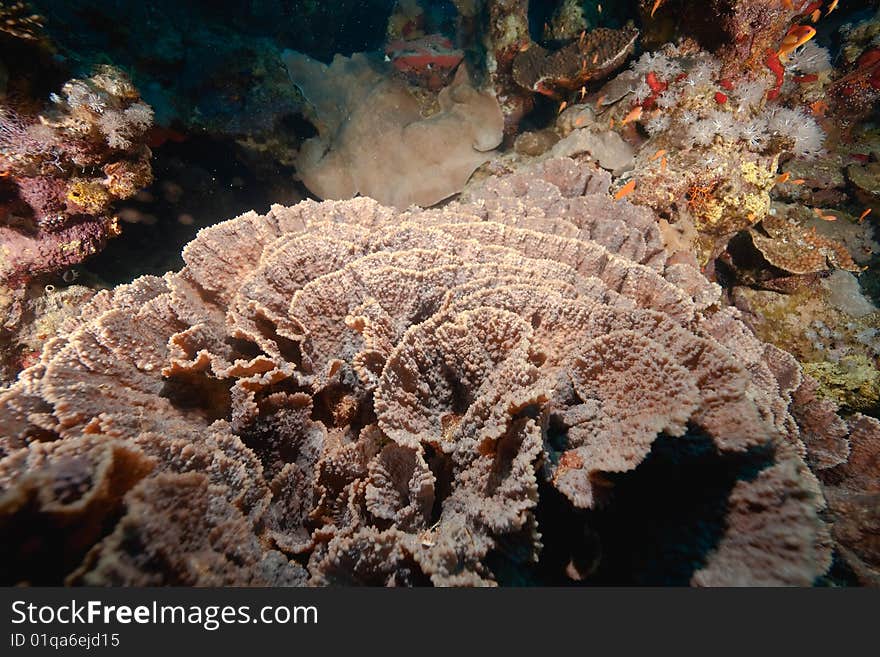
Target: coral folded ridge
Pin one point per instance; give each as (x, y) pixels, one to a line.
(341, 393)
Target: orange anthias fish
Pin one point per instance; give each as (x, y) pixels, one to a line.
(832, 7)
(821, 214)
(864, 214)
(796, 37)
(784, 177)
(656, 6)
(819, 108)
(626, 190)
(634, 115)
(659, 153)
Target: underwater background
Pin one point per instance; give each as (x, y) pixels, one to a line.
(464, 292)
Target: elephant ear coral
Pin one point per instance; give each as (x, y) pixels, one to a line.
(377, 139)
(387, 396)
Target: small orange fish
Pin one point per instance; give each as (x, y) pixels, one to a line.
(663, 164)
(583, 92)
(816, 15)
(656, 6)
(832, 7)
(562, 106)
(626, 190)
(634, 115)
(864, 214)
(797, 181)
(599, 8)
(600, 101)
(525, 46)
(595, 58)
(826, 217)
(582, 37)
(796, 37)
(819, 108)
(659, 153)
(785, 176)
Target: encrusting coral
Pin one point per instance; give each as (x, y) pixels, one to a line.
(390, 396)
(592, 56)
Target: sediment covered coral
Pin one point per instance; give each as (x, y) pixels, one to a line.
(392, 395)
(376, 138)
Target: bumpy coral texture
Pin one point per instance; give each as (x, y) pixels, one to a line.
(384, 395)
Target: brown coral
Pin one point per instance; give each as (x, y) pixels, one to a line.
(792, 247)
(591, 57)
(386, 393)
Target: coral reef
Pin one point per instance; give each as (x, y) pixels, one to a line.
(714, 144)
(548, 322)
(379, 139)
(830, 327)
(390, 395)
(60, 172)
(741, 32)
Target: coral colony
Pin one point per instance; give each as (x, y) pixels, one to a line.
(571, 293)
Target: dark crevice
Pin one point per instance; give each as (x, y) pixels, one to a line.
(657, 526)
